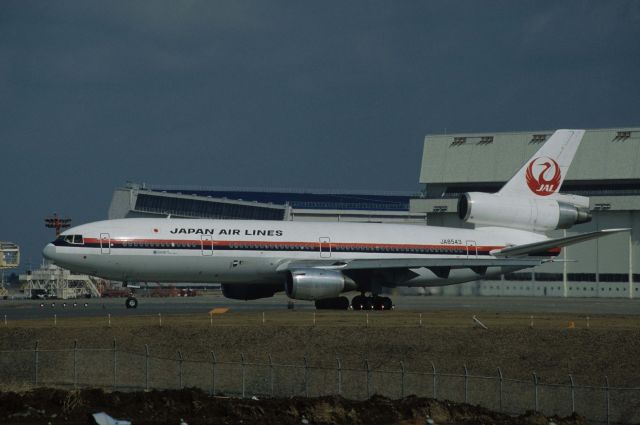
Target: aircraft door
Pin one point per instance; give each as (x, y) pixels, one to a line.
(207, 245)
(105, 243)
(325, 247)
(472, 249)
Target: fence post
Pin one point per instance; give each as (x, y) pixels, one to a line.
(401, 379)
(146, 367)
(339, 377)
(115, 365)
(366, 365)
(573, 394)
(35, 355)
(435, 394)
(606, 389)
(500, 388)
(535, 392)
(180, 360)
(75, 364)
(466, 383)
(213, 373)
(306, 377)
(271, 374)
(242, 366)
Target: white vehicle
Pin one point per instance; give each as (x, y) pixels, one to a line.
(321, 261)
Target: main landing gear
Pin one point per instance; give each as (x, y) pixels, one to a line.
(359, 302)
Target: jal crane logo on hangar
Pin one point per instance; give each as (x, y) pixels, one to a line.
(543, 176)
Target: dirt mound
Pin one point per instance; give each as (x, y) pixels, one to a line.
(42, 406)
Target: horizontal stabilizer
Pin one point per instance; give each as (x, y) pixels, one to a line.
(541, 247)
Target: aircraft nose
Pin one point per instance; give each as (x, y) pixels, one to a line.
(49, 252)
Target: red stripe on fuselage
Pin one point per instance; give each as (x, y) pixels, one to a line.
(289, 244)
(208, 242)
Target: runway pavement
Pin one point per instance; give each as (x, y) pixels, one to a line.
(34, 309)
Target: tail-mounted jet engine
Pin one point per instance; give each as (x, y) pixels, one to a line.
(317, 284)
(532, 214)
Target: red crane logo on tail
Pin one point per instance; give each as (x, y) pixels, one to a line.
(542, 185)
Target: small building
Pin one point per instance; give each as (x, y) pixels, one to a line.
(50, 281)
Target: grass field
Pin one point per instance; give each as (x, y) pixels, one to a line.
(180, 353)
(556, 344)
(357, 319)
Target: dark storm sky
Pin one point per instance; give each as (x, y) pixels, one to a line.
(333, 95)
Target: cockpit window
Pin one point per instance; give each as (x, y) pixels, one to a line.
(72, 239)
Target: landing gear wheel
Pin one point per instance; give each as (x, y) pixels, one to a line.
(131, 302)
(360, 302)
(339, 303)
(387, 304)
(382, 303)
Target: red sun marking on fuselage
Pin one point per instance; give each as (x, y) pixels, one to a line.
(541, 185)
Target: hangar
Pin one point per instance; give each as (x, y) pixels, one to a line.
(140, 200)
(606, 168)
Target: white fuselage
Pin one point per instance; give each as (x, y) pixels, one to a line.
(243, 251)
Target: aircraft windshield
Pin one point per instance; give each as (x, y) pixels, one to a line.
(72, 239)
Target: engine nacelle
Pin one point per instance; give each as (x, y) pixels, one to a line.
(527, 213)
(317, 284)
(249, 291)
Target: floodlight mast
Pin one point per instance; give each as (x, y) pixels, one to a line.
(55, 222)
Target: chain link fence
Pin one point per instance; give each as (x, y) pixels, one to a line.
(117, 369)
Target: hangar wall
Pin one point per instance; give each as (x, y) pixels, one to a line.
(606, 168)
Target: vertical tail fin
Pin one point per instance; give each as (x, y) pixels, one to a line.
(543, 174)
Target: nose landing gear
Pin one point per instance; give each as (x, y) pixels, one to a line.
(131, 302)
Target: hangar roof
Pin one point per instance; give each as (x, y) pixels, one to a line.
(604, 154)
(317, 199)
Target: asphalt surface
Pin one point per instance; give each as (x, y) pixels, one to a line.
(34, 309)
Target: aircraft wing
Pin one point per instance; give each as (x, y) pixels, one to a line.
(541, 247)
(512, 256)
(408, 263)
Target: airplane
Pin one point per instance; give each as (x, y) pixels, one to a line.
(320, 261)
